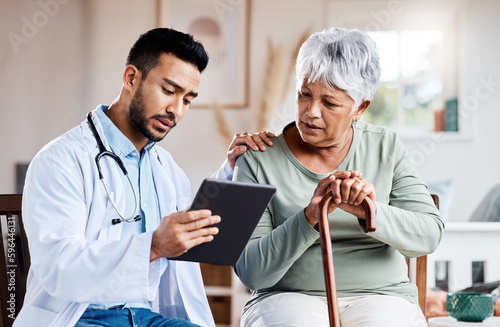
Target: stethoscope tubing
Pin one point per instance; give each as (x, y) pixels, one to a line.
(102, 153)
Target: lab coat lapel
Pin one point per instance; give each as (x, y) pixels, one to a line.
(114, 182)
(193, 293)
(165, 186)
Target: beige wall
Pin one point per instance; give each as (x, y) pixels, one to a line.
(473, 163)
(73, 61)
(40, 83)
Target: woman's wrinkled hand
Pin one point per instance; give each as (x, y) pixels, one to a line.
(348, 190)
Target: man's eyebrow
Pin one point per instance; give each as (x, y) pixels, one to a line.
(179, 88)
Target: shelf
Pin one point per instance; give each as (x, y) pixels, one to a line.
(218, 290)
(469, 227)
(435, 136)
(226, 294)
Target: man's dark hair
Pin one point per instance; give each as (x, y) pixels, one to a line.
(146, 51)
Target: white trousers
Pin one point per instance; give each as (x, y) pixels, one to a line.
(301, 310)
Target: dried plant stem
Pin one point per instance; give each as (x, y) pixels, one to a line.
(290, 74)
(276, 82)
(222, 125)
(272, 84)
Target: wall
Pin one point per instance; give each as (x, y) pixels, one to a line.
(74, 61)
(39, 78)
(473, 163)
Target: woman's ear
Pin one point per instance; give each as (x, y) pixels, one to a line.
(361, 109)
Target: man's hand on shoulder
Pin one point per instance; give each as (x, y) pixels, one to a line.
(256, 142)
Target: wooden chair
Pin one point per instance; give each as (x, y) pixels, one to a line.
(15, 261)
(417, 267)
(417, 272)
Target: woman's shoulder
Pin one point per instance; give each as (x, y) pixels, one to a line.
(379, 139)
(376, 132)
(373, 129)
(271, 153)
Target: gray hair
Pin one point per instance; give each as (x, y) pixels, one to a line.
(343, 59)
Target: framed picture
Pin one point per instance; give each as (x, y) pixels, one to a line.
(222, 26)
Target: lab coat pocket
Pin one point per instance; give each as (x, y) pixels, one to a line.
(34, 316)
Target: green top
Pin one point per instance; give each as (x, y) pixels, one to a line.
(284, 253)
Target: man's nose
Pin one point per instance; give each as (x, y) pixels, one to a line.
(176, 106)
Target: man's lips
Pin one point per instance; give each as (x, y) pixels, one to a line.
(165, 122)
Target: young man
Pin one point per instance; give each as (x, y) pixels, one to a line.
(99, 235)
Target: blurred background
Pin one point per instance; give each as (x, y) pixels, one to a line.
(440, 85)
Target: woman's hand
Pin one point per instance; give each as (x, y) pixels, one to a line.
(348, 191)
(348, 194)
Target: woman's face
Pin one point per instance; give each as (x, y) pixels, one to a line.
(324, 116)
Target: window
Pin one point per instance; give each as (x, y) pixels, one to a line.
(411, 87)
(442, 275)
(477, 272)
(417, 42)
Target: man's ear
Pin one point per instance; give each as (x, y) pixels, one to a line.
(361, 109)
(131, 77)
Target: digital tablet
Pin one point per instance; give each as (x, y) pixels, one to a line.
(240, 206)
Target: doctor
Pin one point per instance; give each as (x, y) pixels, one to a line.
(104, 205)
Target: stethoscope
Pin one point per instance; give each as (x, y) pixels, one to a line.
(102, 153)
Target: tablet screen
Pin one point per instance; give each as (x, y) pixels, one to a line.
(240, 206)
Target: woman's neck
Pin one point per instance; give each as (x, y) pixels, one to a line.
(318, 159)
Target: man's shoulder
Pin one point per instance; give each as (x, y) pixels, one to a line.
(162, 154)
(72, 143)
(165, 159)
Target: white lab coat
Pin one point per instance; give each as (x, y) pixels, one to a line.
(77, 256)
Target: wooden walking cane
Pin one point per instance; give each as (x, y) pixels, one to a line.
(326, 250)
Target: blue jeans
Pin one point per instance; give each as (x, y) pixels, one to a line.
(131, 317)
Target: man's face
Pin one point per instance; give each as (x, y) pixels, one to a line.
(163, 98)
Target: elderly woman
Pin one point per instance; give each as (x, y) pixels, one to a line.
(328, 149)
